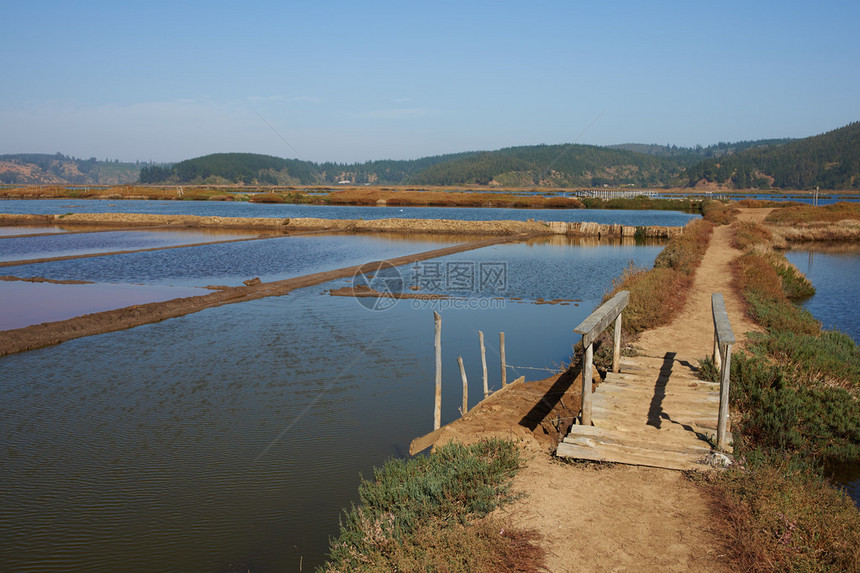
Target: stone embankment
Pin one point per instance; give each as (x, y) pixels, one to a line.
(270, 225)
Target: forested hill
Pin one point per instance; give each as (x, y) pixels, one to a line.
(251, 168)
(693, 155)
(59, 169)
(830, 161)
(544, 165)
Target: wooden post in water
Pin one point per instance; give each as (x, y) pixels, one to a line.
(465, 386)
(616, 349)
(484, 362)
(502, 357)
(437, 409)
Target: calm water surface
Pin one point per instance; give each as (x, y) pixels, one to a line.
(835, 273)
(28, 230)
(231, 263)
(25, 303)
(245, 209)
(231, 439)
(22, 248)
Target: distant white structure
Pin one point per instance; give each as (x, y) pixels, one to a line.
(344, 182)
(617, 193)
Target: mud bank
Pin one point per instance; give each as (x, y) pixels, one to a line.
(543, 410)
(290, 225)
(47, 334)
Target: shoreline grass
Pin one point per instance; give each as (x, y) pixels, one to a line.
(430, 513)
(795, 398)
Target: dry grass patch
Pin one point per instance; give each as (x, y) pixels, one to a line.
(805, 214)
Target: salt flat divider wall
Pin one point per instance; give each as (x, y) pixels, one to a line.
(590, 329)
(724, 338)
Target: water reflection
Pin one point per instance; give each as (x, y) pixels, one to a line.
(65, 244)
(232, 263)
(834, 270)
(235, 435)
(245, 209)
(26, 303)
(28, 230)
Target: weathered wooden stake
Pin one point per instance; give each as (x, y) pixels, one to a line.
(722, 420)
(502, 356)
(437, 409)
(587, 367)
(484, 362)
(465, 386)
(616, 350)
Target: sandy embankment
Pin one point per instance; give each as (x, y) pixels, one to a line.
(291, 225)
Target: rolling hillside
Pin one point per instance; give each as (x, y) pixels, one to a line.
(830, 161)
(58, 169)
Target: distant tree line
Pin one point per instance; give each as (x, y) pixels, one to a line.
(829, 161)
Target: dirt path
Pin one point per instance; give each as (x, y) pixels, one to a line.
(627, 518)
(691, 334)
(621, 518)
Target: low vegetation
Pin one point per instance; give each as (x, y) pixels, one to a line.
(718, 213)
(431, 514)
(800, 214)
(795, 396)
(656, 295)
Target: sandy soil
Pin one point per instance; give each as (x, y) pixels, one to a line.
(614, 518)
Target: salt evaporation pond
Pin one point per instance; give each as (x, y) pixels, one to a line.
(246, 209)
(230, 439)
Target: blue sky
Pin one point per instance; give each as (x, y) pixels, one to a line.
(355, 81)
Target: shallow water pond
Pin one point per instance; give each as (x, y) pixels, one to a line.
(835, 273)
(233, 437)
(245, 209)
(65, 244)
(231, 263)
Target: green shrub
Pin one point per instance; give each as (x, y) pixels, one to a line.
(412, 508)
(829, 359)
(780, 315)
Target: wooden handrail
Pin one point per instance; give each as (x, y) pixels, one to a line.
(590, 329)
(724, 338)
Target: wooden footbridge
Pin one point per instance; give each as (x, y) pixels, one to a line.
(651, 411)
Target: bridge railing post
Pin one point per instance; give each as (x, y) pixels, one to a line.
(590, 329)
(724, 338)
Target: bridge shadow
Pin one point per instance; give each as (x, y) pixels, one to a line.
(656, 415)
(655, 410)
(552, 398)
